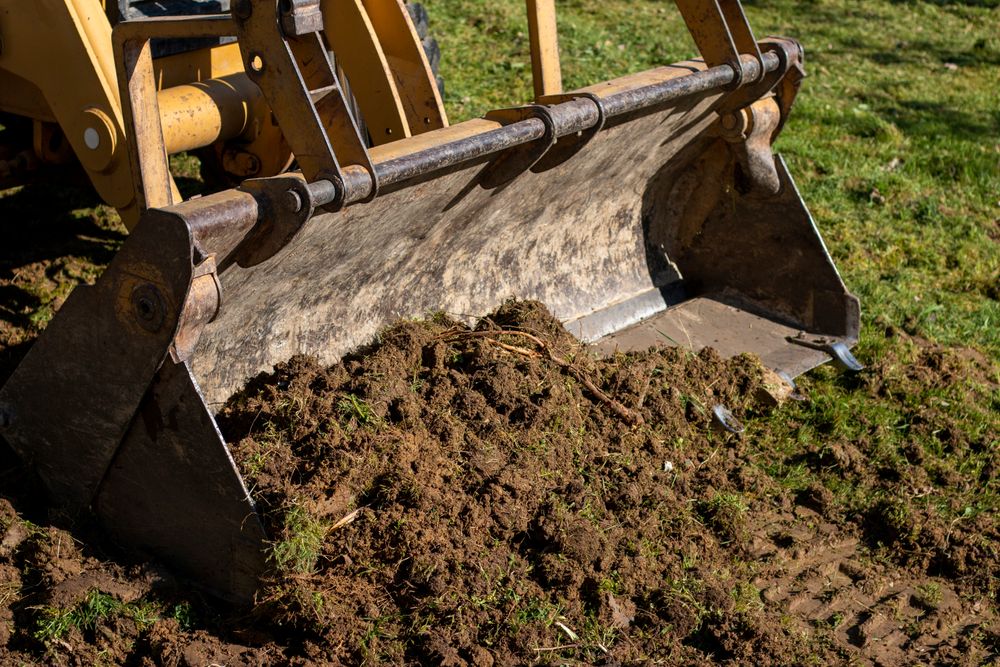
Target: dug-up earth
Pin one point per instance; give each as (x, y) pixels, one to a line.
(497, 496)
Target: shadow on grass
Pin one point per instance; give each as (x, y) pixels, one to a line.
(41, 224)
(916, 53)
(953, 3)
(936, 119)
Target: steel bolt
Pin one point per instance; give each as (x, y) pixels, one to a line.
(292, 201)
(736, 125)
(147, 304)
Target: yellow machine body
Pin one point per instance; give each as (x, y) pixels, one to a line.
(69, 88)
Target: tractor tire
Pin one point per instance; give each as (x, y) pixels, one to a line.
(421, 21)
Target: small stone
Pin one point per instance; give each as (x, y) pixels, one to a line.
(622, 613)
(774, 391)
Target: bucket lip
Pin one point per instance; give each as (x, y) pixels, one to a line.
(780, 352)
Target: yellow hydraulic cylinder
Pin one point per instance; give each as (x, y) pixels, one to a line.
(198, 114)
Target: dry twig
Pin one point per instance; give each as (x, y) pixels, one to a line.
(491, 336)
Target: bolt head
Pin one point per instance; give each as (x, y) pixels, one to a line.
(100, 139)
(148, 307)
(292, 201)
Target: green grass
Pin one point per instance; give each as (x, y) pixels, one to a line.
(356, 410)
(298, 550)
(96, 608)
(929, 595)
(725, 513)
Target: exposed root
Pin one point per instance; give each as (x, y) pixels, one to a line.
(545, 352)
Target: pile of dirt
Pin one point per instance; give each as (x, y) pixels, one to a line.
(496, 495)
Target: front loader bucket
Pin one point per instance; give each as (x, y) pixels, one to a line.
(633, 209)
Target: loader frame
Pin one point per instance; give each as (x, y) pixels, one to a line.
(681, 225)
(205, 99)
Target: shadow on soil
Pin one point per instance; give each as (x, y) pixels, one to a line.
(39, 224)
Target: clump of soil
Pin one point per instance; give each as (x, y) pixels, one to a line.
(51, 592)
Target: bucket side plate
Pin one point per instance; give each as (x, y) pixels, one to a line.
(173, 490)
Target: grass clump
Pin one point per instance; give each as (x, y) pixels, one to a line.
(185, 615)
(355, 409)
(298, 551)
(746, 598)
(929, 595)
(97, 607)
(725, 513)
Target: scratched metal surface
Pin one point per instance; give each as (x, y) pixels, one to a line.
(571, 237)
(646, 201)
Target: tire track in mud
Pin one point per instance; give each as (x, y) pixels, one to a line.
(873, 612)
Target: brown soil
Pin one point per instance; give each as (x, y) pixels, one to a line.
(496, 496)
